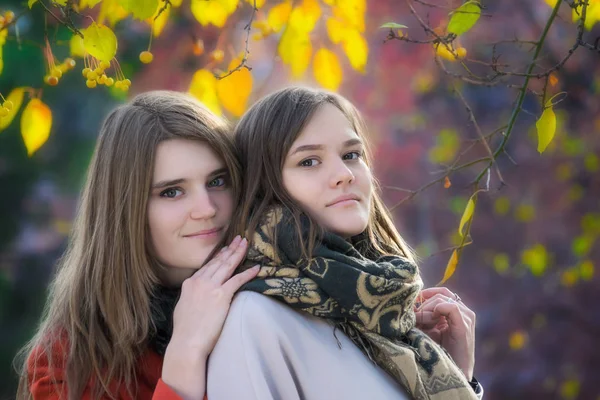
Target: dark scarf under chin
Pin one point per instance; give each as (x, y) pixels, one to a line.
(162, 305)
(370, 297)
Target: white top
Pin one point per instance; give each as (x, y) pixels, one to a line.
(269, 351)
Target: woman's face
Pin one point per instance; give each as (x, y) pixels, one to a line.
(190, 205)
(326, 174)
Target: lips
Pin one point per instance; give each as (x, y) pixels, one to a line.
(343, 198)
(205, 232)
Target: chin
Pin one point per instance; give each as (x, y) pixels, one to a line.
(349, 230)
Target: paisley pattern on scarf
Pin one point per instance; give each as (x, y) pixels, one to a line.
(369, 298)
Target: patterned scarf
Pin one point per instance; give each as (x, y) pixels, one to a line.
(370, 298)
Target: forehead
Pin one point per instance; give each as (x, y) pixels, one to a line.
(328, 124)
(180, 158)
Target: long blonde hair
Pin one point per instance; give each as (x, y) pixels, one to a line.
(98, 308)
(263, 138)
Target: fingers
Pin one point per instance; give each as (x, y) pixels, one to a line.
(428, 293)
(453, 311)
(230, 262)
(221, 257)
(202, 271)
(426, 319)
(234, 283)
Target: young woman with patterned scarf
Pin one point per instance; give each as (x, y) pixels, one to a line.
(157, 202)
(332, 313)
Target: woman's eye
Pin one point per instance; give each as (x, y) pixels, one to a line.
(353, 155)
(171, 193)
(217, 182)
(311, 162)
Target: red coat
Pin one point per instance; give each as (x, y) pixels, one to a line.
(46, 386)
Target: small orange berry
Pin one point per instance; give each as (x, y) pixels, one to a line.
(91, 83)
(9, 16)
(109, 82)
(199, 47)
(8, 105)
(85, 72)
(52, 80)
(4, 111)
(56, 72)
(146, 57)
(69, 63)
(92, 75)
(217, 55)
(104, 65)
(1, 21)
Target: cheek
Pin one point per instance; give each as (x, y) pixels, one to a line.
(162, 218)
(303, 188)
(224, 201)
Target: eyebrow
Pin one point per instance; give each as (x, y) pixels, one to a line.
(172, 182)
(312, 147)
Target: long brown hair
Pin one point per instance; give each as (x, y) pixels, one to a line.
(263, 138)
(98, 308)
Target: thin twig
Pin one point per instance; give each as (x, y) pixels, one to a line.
(478, 130)
(244, 61)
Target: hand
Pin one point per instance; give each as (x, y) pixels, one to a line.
(450, 323)
(199, 316)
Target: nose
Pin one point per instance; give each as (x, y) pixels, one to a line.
(203, 206)
(342, 175)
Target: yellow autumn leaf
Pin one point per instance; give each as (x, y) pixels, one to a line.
(140, 9)
(450, 267)
(83, 4)
(77, 49)
(16, 96)
(113, 11)
(546, 128)
(204, 87)
(467, 214)
(213, 12)
(100, 41)
(352, 12)
(312, 12)
(450, 55)
(335, 30)
(279, 15)
(356, 48)
(36, 123)
(256, 3)
(30, 3)
(295, 49)
(464, 17)
(234, 90)
(157, 21)
(327, 69)
(592, 14)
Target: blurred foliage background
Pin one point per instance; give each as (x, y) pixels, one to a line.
(530, 271)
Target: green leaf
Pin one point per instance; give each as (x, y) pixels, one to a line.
(393, 25)
(141, 9)
(546, 128)
(464, 17)
(100, 41)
